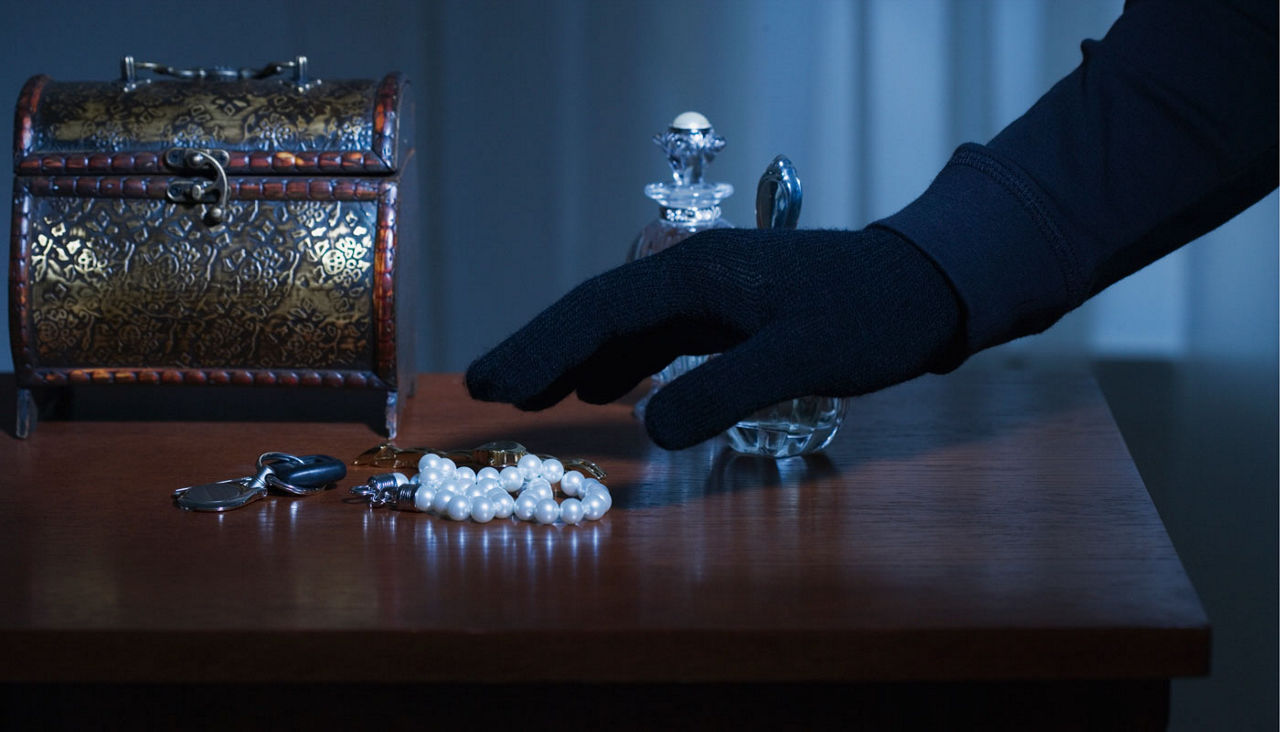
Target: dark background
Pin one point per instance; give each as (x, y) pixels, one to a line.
(533, 126)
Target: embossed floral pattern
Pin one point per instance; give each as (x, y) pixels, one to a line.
(128, 282)
(244, 115)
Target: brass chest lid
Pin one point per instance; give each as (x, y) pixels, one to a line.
(266, 125)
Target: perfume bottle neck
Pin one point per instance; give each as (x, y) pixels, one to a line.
(689, 216)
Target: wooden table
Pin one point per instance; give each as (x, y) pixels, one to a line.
(971, 547)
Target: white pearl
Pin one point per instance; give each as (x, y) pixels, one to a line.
(431, 476)
(447, 467)
(552, 470)
(529, 466)
(401, 479)
(539, 487)
(525, 506)
(571, 483)
(487, 472)
(415, 479)
(537, 494)
(482, 510)
(511, 479)
(604, 498)
(504, 506)
(593, 507)
(495, 493)
(474, 491)
(430, 461)
(489, 484)
(422, 498)
(571, 511)
(459, 508)
(465, 473)
(690, 121)
(440, 502)
(547, 511)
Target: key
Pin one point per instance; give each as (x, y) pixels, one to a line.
(289, 473)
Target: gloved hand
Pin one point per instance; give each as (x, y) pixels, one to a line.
(792, 313)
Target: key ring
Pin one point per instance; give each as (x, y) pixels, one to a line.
(267, 459)
(277, 457)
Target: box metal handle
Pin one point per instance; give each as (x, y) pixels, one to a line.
(129, 72)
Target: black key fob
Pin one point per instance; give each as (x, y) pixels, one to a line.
(304, 474)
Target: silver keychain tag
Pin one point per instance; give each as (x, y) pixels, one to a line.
(225, 494)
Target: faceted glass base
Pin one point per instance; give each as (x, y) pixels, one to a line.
(791, 428)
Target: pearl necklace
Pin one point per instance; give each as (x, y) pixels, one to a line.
(525, 491)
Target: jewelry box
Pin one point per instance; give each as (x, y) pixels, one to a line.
(209, 226)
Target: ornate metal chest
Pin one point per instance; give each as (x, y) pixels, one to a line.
(219, 227)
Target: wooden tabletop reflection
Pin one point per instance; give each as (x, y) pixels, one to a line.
(976, 526)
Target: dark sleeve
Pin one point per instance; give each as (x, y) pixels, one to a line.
(1167, 129)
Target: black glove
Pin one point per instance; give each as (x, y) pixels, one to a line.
(792, 313)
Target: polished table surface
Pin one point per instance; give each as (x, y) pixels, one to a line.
(979, 526)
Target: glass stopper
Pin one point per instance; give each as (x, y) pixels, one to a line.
(691, 143)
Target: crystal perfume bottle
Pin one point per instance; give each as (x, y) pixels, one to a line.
(798, 426)
(687, 204)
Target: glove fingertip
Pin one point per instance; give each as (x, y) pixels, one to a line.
(673, 425)
(479, 384)
(489, 379)
(665, 433)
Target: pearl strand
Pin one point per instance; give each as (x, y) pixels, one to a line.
(525, 491)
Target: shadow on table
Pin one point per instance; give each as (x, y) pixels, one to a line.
(162, 403)
(924, 416)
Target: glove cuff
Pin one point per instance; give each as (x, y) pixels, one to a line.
(1008, 261)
